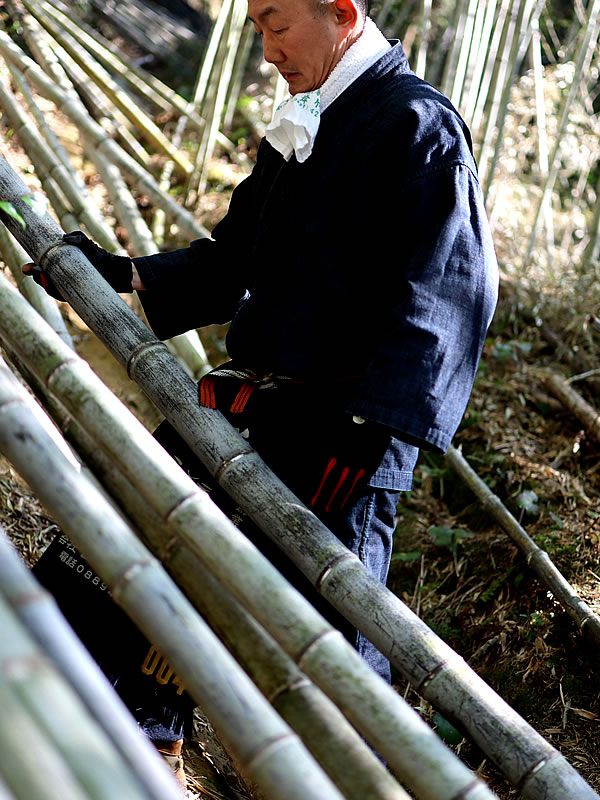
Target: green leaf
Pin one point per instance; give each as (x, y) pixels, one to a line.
(38, 202)
(528, 500)
(9, 209)
(412, 555)
(443, 536)
(446, 730)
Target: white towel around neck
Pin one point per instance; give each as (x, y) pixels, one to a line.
(296, 121)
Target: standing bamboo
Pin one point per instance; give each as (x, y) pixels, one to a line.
(587, 622)
(77, 112)
(104, 81)
(402, 737)
(427, 662)
(589, 40)
(40, 615)
(263, 745)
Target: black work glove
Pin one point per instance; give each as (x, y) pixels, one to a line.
(233, 397)
(116, 270)
(345, 451)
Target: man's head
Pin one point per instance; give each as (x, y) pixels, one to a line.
(305, 39)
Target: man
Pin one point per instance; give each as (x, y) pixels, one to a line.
(356, 267)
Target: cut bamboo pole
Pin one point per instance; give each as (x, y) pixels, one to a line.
(44, 160)
(268, 752)
(574, 402)
(38, 612)
(536, 558)
(140, 79)
(103, 80)
(187, 346)
(371, 704)
(60, 716)
(78, 114)
(426, 661)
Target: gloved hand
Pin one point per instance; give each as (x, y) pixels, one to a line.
(116, 270)
(231, 395)
(345, 452)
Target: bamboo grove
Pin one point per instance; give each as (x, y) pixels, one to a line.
(292, 702)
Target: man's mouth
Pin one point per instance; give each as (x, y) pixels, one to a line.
(289, 76)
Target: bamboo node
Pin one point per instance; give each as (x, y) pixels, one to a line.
(139, 350)
(543, 762)
(314, 642)
(50, 249)
(330, 567)
(292, 686)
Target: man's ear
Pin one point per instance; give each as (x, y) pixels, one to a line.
(346, 13)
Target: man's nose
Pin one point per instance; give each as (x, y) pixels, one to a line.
(271, 50)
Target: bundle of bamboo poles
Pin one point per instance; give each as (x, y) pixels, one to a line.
(439, 674)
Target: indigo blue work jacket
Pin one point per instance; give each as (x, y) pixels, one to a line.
(371, 259)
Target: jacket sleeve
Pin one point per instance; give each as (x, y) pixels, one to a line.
(444, 276)
(205, 282)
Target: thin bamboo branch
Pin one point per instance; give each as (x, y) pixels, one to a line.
(270, 754)
(574, 402)
(536, 558)
(439, 674)
(103, 80)
(38, 612)
(78, 114)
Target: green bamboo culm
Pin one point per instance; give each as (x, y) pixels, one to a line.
(428, 663)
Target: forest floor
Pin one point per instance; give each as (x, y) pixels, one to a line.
(473, 587)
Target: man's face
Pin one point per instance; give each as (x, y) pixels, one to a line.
(303, 43)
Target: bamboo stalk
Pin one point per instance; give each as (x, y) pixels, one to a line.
(390, 724)
(44, 160)
(140, 79)
(265, 747)
(103, 80)
(536, 558)
(574, 402)
(589, 39)
(78, 114)
(91, 758)
(421, 656)
(39, 613)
